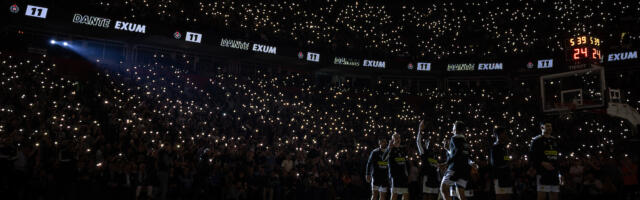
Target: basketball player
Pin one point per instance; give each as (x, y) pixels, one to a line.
(544, 158)
(428, 172)
(396, 155)
(377, 172)
(459, 165)
(499, 159)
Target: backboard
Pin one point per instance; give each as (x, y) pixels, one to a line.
(573, 90)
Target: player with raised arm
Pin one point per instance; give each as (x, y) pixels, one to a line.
(499, 158)
(377, 172)
(459, 165)
(544, 158)
(396, 155)
(428, 172)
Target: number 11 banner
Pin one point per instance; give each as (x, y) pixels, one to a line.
(36, 11)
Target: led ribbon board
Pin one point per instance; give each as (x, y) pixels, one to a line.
(346, 61)
(545, 64)
(424, 66)
(622, 56)
(234, 44)
(128, 26)
(460, 67)
(36, 11)
(193, 37)
(313, 57)
(373, 63)
(264, 48)
(489, 66)
(91, 20)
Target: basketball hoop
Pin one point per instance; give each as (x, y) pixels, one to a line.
(566, 115)
(571, 107)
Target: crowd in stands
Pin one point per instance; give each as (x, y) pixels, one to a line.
(157, 131)
(432, 30)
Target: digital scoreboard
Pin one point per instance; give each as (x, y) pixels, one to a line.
(584, 50)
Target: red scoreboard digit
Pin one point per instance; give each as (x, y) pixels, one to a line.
(584, 49)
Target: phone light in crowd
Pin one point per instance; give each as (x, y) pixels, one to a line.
(53, 41)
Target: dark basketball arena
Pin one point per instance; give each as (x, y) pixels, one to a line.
(319, 100)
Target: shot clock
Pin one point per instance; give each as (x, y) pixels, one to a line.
(584, 50)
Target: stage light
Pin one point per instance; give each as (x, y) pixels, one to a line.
(53, 42)
(65, 44)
